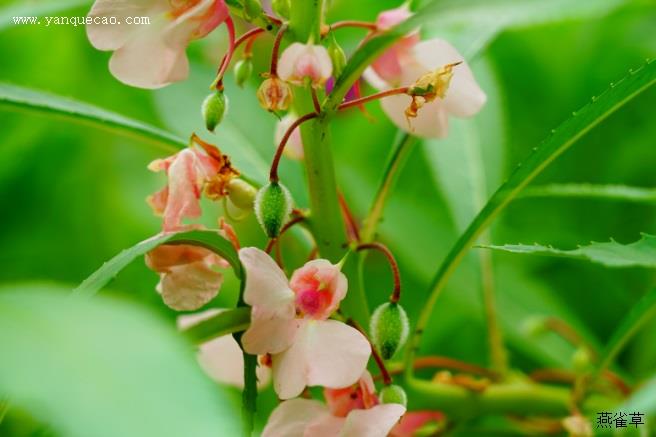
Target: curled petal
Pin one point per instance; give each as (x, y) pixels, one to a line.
(374, 422)
(291, 418)
(188, 287)
(326, 353)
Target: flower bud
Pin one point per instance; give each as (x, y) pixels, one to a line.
(305, 61)
(274, 94)
(252, 9)
(241, 193)
(214, 108)
(243, 70)
(581, 359)
(273, 205)
(389, 328)
(281, 8)
(534, 326)
(393, 394)
(337, 56)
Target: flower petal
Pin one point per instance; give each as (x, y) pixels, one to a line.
(266, 284)
(319, 287)
(290, 418)
(269, 334)
(374, 422)
(188, 287)
(431, 122)
(325, 426)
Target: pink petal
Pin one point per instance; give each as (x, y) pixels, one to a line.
(294, 146)
(269, 334)
(221, 358)
(326, 353)
(411, 422)
(320, 287)
(374, 422)
(188, 287)
(290, 418)
(325, 426)
(300, 61)
(431, 122)
(391, 17)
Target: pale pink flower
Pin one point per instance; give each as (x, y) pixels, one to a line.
(188, 275)
(152, 55)
(289, 322)
(221, 358)
(190, 172)
(294, 147)
(414, 421)
(301, 61)
(351, 412)
(463, 96)
(389, 66)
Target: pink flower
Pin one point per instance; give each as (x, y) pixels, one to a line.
(301, 61)
(414, 421)
(462, 97)
(289, 322)
(294, 147)
(190, 172)
(221, 358)
(389, 66)
(351, 412)
(188, 275)
(152, 55)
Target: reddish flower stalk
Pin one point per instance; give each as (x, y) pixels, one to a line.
(218, 83)
(315, 100)
(249, 36)
(396, 294)
(387, 378)
(564, 330)
(353, 23)
(273, 175)
(380, 95)
(349, 219)
(273, 71)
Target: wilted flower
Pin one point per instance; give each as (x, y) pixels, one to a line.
(351, 412)
(289, 320)
(221, 358)
(294, 146)
(152, 55)
(455, 91)
(190, 172)
(305, 61)
(188, 275)
(274, 94)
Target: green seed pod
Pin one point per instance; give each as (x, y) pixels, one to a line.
(281, 8)
(337, 56)
(389, 328)
(241, 193)
(252, 9)
(273, 205)
(393, 394)
(243, 71)
(214, 108)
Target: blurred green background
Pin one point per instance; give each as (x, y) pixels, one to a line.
(73, 196)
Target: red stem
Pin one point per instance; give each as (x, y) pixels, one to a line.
(273, 71)
(387, 378)
(228, 56)
(354, 23)
(396, 294)
(273, 175)
(349, 218)
(315, 100)
(380, 95)
(284, 229)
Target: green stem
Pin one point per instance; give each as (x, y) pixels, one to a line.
(395, 163)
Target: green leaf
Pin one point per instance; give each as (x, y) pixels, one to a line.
(557, 143)
(105, 368)
(471, 25)
(610, 192)
(641, 253)
(223, 323)
(209, 239)
(640, 314)
(33, 101)
(643, 400)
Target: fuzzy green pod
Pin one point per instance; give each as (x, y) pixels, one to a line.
(273, 205)
(243, 71)
(337, 56)
(214, 108)
(389, 328)
(393, 394)
(281, 8)
(252, 9)
(241, 194)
